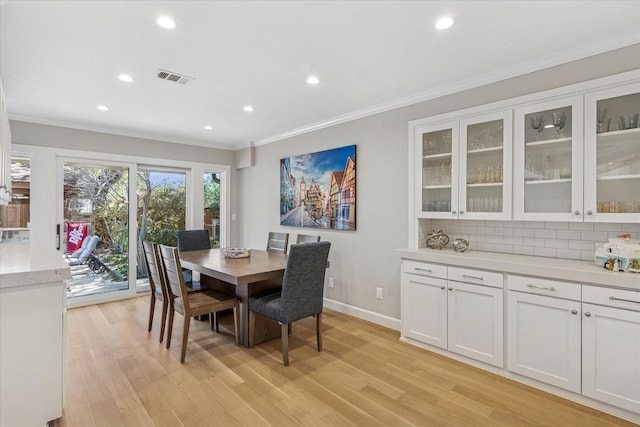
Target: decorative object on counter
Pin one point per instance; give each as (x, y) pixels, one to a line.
(437, 240)
(236, 253)
(460, 245)
(619, 253)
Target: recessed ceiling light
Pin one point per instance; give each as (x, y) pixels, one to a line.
(208, 127)
(103, 108)
(166, 22)
(313, 80)
(125, 78)
(248, 108)
(444, 23)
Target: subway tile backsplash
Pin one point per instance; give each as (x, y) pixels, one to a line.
(567, 240)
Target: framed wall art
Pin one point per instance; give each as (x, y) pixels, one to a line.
(318, 190)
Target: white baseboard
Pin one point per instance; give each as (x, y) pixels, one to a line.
(363, 314)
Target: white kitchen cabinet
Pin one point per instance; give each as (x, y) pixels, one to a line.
(612, 162)
(424, 303)
(464, 318)
(543, 331)
(611, 346)
(548, 160)
(463, 167)
(475, 315)
(32, 310)
(5, 152)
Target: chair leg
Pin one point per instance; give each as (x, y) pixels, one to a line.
(318, 330)
(170, 331)
(185, 338)
(236, 323)
(284, 328)
(152, 306)
(252, 327)
(165, 307)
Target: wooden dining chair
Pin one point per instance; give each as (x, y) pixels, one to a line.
(278, 242)
(301, 294)
(157, 284)
(193, 304)
(305, 238)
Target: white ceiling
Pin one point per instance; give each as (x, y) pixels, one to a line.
(60, 59)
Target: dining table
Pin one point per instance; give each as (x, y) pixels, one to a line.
(260, 272)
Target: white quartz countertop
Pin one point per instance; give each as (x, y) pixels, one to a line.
(23, 264)
(553, 268)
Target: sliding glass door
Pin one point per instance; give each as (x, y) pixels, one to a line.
(94, 234)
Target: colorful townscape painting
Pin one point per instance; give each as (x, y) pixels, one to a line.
(318, 190)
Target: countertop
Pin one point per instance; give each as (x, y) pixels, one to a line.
(24, 264)
(583, 272)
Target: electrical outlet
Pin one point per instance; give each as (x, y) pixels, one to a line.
(332, 283)
(379, 293)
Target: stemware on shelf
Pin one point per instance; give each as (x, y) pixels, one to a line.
(559, 120)
(537, 123)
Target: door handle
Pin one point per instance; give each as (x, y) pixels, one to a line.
(58, 237)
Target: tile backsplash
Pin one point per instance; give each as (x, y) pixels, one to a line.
(569, 240)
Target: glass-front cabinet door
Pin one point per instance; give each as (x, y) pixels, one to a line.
(612, 155)
(548, 162)
(437, 170)
(485, 167)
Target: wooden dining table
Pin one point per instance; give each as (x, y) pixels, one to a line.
(243, 277)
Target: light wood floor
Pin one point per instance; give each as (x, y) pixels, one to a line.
(119, 375)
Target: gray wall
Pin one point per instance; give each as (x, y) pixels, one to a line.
(366, 258)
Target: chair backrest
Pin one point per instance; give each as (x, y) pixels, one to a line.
(303, 282)
(155, 268)
(82, 247)
(88, 250)
(304, 238)
(173, 273)
(278, 242)
(193, 240)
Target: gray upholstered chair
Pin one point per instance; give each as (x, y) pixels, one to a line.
(301, 294)
(193, 304)
(157, 283)
(278, 242)
(193, 240)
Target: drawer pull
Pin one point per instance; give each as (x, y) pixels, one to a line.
(546, 288)
(624, 300)
(466, 276)
(450, 289)
(587, 314)
(424, 269)
(574, 311)
(442, 287)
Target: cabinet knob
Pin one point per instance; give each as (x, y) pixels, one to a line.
(589, 212)
(461, 212)
(576, 212)
(453, 212)
(587, 314)
(450, 289)
(574, 311)
(442, 287)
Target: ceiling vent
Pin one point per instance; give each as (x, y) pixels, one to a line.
(173, 77)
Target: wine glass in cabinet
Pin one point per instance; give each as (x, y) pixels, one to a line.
(612, 155)
(436, 169)
(548, 162)
(485, 167)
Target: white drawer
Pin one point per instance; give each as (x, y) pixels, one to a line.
(619, 298)
(425, 269)
(478, 277)
(552, 288)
